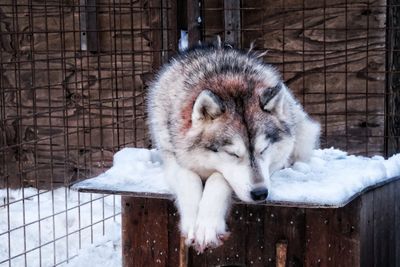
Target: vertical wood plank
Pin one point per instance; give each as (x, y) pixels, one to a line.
(156, 23)
(367, 230)
(281, 253)
(332, 236)
(397, 223)
(172, 27)
(91, 25)
(383, 224)
(144, 232)
(194, 22)
(281, 223)
(232, 22)
(175, 248)
(255, 239)
(393, 79)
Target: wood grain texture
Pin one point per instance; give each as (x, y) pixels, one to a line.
(144, 232)
(331, 54)
(362, 233)
(65, 112)
(332, 237)
(393, 79)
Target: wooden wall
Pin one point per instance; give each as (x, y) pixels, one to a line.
(64, 111)
(331, 55)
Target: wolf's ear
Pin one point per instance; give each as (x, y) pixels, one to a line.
(273, 99)
(207, 106)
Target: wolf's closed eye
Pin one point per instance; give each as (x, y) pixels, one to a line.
(212, 148)
(233, 154)
(265, 149)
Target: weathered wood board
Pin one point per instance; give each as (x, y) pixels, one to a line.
(64, 111)
(331, 54)
(360, 233)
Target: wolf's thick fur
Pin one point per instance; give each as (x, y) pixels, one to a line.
(222, 116)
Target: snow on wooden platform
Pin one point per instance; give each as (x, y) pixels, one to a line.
(331, 178)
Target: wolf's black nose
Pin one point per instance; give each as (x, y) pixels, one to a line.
(259, 193)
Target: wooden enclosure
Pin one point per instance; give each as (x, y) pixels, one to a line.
(361, 231)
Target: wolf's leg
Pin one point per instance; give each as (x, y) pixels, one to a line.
(187, 187)
(214, 205)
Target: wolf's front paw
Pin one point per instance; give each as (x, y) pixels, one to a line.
(210, 233)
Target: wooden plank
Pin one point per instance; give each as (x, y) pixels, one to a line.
(367, 230)
(194, 22)
(106, 188)
(156, 32)
(397, 224)
(144, 232)
(383, 225)
(333, 236)
(255, 238)
(88, 24)
(284, 224)
(213, 19)
(177, 252)
(232, 22)
(172, 28)
(392, 142)
(281, 253)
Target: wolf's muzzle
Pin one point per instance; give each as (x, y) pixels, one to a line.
(259, 193)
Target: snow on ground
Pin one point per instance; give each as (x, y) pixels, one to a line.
(330, 178)
(83, 210)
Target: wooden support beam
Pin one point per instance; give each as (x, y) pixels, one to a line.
(194, 22)
(88, 25)
(281, 253)
(232, 22)
(392, 129)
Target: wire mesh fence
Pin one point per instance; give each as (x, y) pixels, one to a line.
(333, 54)
(73, 79)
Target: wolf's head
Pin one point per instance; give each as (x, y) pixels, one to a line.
(242, 128)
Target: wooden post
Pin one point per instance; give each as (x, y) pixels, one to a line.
(194, 22)
(392, 129)
(281, 253)
(232, 22)
(183, 253)
(88, 24)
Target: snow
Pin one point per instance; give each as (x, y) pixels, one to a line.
(331, 178)
(183, 41)
(134, 170)
(74, 213)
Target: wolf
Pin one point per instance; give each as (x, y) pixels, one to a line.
(223, 121)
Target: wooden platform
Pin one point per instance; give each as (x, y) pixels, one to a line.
(363, 231)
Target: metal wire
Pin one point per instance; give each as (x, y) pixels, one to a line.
(73, 77)
(332, 54)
